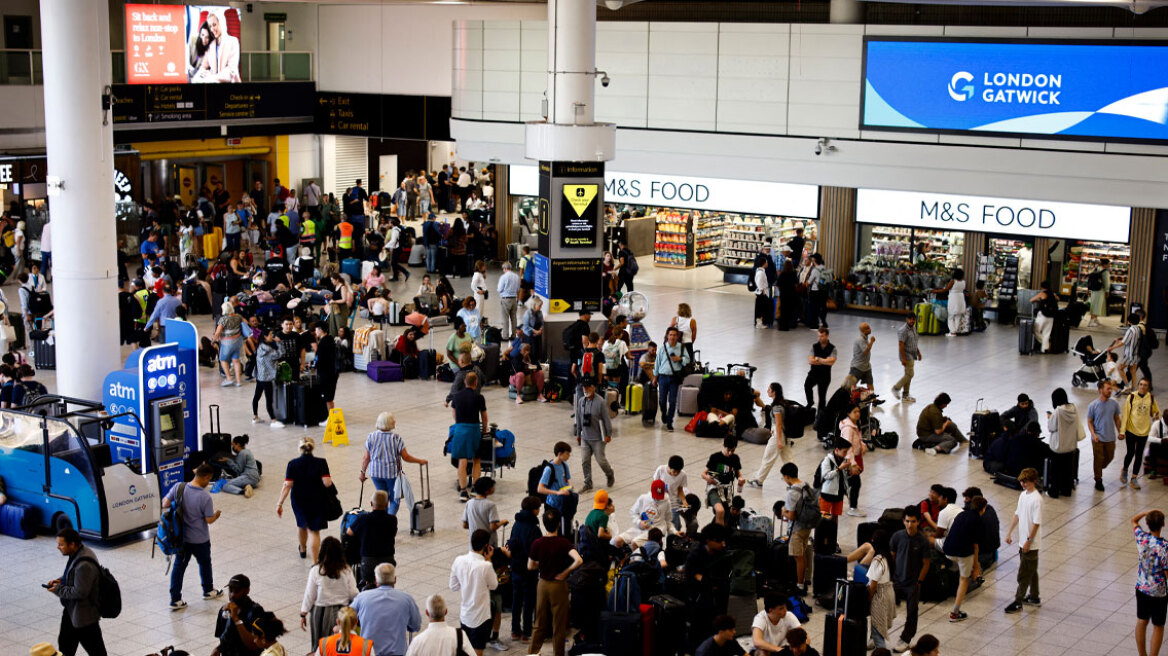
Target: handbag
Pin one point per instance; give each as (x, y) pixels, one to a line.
(332, 504)
(9, 332)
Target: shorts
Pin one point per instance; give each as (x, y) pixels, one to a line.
(328, 388)
(964, 565)
(714, 497)
(1151, 608)
(464, 441)
(833, 508)
(479, 634)
(862, 376)
(229, 348)
(800, 543)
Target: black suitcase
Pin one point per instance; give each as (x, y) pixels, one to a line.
(828, 569)
(44, 354)
(309, 404)
(865, 531)
(1060, 335)
(1025, 336)
(427, 363)
(284, 403)
(781, 570)
(984, 427)
(742, 608)
(669, 625)
(422, 514)
(490, 363)
(825, 536)
(844, 636)
(215, 441)
(620, 633)
(753, 541)
(410, 368)
(649, 405)
(854, 596)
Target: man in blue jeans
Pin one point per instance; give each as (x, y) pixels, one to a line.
(198, 513)
(431, 236)
(671, 361)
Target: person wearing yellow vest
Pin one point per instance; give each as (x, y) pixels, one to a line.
(345, 243)
(307, 231)
(346, 642)
(1139, 411)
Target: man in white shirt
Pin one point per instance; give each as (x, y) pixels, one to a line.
(649, 511)
(439, 638)
(770, 626)
(312, 199)
(473, 576)
(676, 486)
(949, 511)
(1028, 521)
(508, 291)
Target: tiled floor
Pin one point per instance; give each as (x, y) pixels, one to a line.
(1087, 566)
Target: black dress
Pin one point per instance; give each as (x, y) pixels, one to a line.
(308, 491)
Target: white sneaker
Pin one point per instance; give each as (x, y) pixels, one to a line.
(908, 399)
(496, 645)
(895, 393)
(931, 451)
(900, 646)
(276, 424)
(256, 420)
(226, 383)
(238, 384)
(856, 512)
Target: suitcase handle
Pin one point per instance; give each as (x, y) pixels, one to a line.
(980, 406)
(213, 411)
(424, 480)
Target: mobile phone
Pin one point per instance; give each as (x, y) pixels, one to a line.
(45, 586)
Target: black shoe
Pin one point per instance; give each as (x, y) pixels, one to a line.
(1099, 485)
(669, 427)
(1014, 607)
(303, 552)
(1032, 601)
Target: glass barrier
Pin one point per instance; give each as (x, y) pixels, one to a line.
(23, 67)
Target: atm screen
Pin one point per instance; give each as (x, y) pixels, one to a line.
(166, 422)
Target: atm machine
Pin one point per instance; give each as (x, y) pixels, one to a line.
(167, 439)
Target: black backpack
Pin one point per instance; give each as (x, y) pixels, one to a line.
(109, 593)
(533, 477)
(1095, 281)
(1148, 342)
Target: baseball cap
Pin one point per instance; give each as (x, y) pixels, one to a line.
(600, 500)
(239, 582)
(658, 489)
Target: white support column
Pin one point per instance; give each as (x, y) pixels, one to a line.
(76, 59)
(571, 61)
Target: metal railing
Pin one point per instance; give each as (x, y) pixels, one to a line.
(23, 67)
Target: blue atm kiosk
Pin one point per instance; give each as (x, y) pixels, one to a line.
(159, 384)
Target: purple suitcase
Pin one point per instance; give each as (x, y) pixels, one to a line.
(384, 371)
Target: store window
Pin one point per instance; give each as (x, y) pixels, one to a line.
(1111, 260)
(899, 266)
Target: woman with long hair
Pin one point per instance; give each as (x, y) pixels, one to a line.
(345, 640)
(307, 479)
(472, 317)
(877, 557)
(684, 322)
(849, 430)
(197, 50)
(772, 455)
(331, 587)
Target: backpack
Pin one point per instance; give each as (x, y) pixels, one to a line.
(571, 337)
(529, 269)
(1095, 281)
(626, 592)
(807, 510)
(1148, 342)
(589, 365)
(553, 391)
(405, 238)
(588, 544)
(109, 593)
(631, 262)
(533, 477)
(283, 372)
(818, 480)
(169, 536)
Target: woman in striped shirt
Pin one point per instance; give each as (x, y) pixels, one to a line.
(384, 452)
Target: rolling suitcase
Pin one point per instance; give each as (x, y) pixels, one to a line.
(984, 427)
(1060, 335)
(18, 520)
(926, 321)
(620, 633)
(422, 514)
(824, 540)
(827, 569)
(308, 405)
(44, 348)
(634, 395)
(215, 440)
(490, 363)
(669, 620)
(612, 400)
(427, 363)
(349, 543)
(649, 406)
(352, 267)
(687, 401)
(854, 596)
(384, 371)
(211, 243)
(1026, 336)
(844, 635)
(865, 531)
(742, 608)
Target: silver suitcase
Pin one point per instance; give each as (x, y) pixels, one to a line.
(422, 514)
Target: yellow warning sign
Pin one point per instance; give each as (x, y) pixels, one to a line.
(334, 431)
(580, 196)
(559, 305)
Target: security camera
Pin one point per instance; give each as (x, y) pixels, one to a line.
(604, 80)
(823, 145)
(819, 147)
(613, 5)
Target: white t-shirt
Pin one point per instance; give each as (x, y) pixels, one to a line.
(675, 485)
(776, 634)
(878, 571)
(1029, 513)
(945, 520)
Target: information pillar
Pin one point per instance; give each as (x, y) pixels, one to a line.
(571, 237)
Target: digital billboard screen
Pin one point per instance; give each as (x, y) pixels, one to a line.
(180, 44)
(1065, 89)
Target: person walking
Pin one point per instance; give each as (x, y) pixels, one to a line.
(198, 513)
(1103, 421)
(78, 591)
(470, 423)
(910, 353)
(387, 615)
(849, 430)
(1046, 310)
(307, 478)
(962, 542)
(554, 557)
(1151, 581)
(343, 639)
(593, 431)
(1098, 287)
(671, 362)
(777, 442)
(822, 358)
(331, 587)
(910, 558)
(478, 284)
(627, 267)
(384, 452)
(439, 638)
(508, 290)
(524, 533)
(861, 366)
(958, 322)
(473, 575)
(1139, 411)
(1066, 430)
(1028, 520)
(764, 307)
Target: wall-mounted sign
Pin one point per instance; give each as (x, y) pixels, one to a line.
(1112, 90)
(177, 44)
(683, 192)
(222, 103)
(1009, 216)
(5, 173)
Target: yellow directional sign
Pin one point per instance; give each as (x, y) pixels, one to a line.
(559, 305)
(580, 196)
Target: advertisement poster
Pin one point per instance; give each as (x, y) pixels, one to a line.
(1046, 88)
(580, 216)
(179, 44)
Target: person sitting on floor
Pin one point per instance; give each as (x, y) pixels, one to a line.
(937, 433)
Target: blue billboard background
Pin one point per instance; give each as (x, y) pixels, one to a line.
(1116, 91)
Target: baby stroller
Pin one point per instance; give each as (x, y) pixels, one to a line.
(1092, 370)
